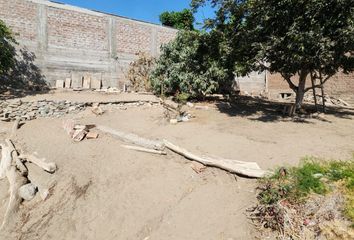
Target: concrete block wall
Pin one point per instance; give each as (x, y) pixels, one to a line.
(69, 41)
(255, 83)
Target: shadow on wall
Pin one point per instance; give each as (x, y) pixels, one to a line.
(24, 78)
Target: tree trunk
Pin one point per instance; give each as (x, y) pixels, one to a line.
(300, 90)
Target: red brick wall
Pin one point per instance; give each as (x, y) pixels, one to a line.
(76, 30)
(340, 85)
(132, 38)
(21, 16)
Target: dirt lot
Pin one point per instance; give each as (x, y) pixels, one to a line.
(105, 191)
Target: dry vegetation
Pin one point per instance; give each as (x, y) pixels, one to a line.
(312, 201)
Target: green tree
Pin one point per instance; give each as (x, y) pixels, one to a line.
(180, 20)
(7, 49)
(193, 65)
(297, 38)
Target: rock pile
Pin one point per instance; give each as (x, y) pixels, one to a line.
(329, 100)
(16, 109)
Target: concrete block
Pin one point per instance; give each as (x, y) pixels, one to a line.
(86, 82)
(59, 84)
(96, 83)
(76, 80)
(68, 83)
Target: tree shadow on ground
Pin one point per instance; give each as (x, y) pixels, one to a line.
(24, 78)
(264, 110)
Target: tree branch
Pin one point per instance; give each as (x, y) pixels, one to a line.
(291, 84)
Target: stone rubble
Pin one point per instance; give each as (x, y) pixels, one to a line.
(329, 100)
(16, 109)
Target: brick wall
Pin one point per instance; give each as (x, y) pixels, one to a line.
(340, 85)
(76, 30)
(23, 20)
(69, 41)
(132, 38)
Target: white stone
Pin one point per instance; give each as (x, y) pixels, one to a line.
(27, 192)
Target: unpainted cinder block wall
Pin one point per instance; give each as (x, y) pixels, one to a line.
(70, 42)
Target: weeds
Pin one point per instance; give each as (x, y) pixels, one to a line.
(283, 197)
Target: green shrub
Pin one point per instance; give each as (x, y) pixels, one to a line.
(312, 176)
(192, 64)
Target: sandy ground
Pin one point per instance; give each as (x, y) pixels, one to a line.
(105, 191)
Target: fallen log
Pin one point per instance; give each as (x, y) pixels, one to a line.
(233, 166)
(50, 167)
(42, 180)
(18, 176)
(132, 138)
(6, 160)
(147, 150)
(15, 158)
(16, 181)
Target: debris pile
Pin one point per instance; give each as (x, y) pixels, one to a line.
(27, 175)
(174, 112)
(16, 109)
(79, 132)
(329, 100)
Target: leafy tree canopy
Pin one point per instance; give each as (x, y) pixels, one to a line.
(180, 20)
(7, 50)
(193, 64)
(296, 38)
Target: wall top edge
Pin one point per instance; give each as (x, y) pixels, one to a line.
(96, 13)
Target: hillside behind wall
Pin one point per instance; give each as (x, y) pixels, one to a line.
(70, 42)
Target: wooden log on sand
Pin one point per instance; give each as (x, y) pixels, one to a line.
(132, 138)
(249, 169)
(50, 167)
(147, 150)
(15, 178)
(41, 179)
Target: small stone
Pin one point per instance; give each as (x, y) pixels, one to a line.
(92, 135)
(27, 192)
(97, 110)
(173, 121)
(189, 104)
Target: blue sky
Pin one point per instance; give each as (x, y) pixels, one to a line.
(146, 10)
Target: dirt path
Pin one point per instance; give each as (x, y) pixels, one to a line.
(107, 192)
